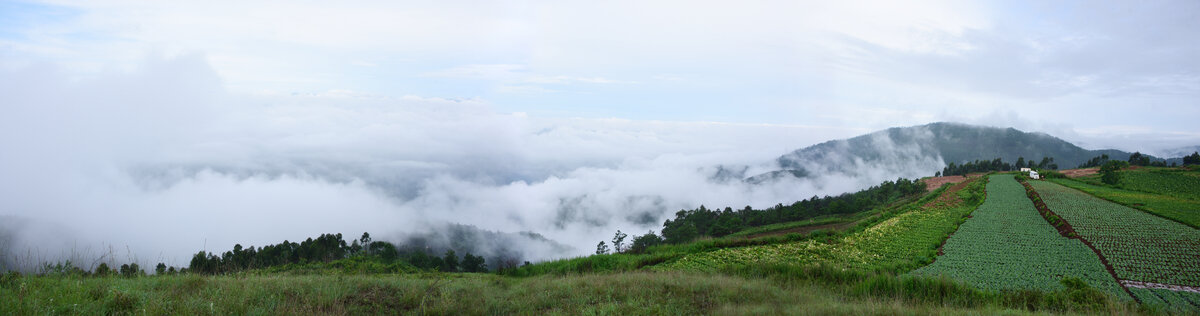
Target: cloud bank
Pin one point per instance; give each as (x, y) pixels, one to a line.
(161, 161)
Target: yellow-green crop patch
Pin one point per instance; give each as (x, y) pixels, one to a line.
(1139, 246)
(908, 239)
(1007, 245)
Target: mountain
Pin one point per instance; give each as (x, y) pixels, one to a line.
(934, 144)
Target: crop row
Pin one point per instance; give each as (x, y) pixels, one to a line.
(1007, 245)
(1181, 184)
(1139, 246)
(1175, 301)
(907, 239)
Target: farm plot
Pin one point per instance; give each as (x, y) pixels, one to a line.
(1176, 301)
(904, 240)
(1139, 246)
(1007, 245)
(1173, 183)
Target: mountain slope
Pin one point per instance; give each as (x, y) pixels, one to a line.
(941, 143)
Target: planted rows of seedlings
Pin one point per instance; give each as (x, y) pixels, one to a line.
(1139, 246)
(907, 239)
(1175, 301)
(1007, 245)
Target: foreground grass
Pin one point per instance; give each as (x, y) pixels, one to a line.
(659, 293)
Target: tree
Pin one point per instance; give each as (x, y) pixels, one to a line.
(365, 239)
(103, 269)
(1138, 159)
(1193, 159)
(160, 269)
(1108, 172)
(619, 242)
(473, 263)
(450, 261)
(602, 248)
(643, 242)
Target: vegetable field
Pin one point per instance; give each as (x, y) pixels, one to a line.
(905, 240)
(1170, 182)
(1007, 245)
(1176, 301)
(1139, 246)
(1179, 209)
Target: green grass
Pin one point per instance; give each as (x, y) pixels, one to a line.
(1179, 183)
(904, 238)
(1139, 246)
(657, 293)
(790, 225)
(1007, 245)
(1178, 209)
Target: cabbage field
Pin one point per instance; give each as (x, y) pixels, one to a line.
(1139, 246)
(1176, 301)
(1007, 245)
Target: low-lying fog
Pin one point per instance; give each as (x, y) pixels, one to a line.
(157, 163)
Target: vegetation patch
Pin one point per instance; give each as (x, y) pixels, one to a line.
(1008, 246)
(904, 239)
(1140, 246)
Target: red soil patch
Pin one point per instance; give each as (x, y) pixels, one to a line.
(933, 183)
(1076, 173)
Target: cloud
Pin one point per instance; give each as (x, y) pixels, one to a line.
(160, 162)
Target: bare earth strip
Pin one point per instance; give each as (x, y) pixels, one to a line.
(1151, 285)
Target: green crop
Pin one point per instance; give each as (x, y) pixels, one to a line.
(1139, 246)
(1007, 245)
(905, 241)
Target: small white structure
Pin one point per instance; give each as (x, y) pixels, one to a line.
(1033, 174)
(1026, 170)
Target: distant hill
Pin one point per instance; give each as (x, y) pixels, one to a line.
(934, 143)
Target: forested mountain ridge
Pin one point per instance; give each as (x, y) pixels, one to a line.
(951, 142)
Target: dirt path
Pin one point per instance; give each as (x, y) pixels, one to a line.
(1149, 285)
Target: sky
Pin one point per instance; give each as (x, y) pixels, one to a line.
(166, 127)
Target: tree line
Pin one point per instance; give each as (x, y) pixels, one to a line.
(702, 221)
(328, 248)
(997, 164)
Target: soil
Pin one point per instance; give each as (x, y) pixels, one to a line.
(933, 183)
(1076, 173)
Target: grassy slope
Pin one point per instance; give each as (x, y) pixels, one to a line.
(1007, 245)
(1180, 210)
(659, 293)
(907, 239)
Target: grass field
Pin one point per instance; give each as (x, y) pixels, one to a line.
(1139, 246)
(1178, 209)
(656, 293)
(1007, 245)
(1173, 182)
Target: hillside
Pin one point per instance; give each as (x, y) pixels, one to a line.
(903, 148)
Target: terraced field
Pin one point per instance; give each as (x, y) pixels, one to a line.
(1179, 209)
(1007, 245)
(1139, 246)
(907, 239)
